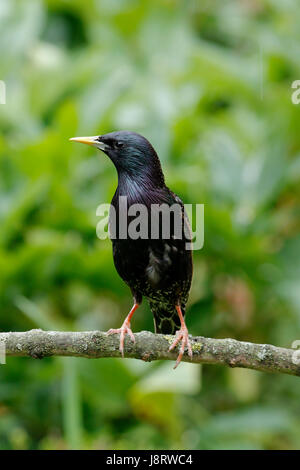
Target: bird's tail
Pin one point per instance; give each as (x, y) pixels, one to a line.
(166, 320)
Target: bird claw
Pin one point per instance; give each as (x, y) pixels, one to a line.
(124, 330)
(183, 336)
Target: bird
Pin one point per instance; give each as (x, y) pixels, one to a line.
(157, 268)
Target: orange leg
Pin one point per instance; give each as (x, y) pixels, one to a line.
(125, 329)
(183, 336)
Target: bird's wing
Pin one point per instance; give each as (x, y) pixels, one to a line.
(169, 259)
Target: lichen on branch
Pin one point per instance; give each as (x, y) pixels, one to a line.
(150, 347)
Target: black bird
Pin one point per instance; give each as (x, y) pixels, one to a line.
(160, 268)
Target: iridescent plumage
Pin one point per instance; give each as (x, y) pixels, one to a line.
(157, 269)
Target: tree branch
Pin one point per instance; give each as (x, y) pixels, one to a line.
(150, 347)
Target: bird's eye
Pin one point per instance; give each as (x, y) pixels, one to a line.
(119, 144)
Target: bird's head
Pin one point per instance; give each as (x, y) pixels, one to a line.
(131, 153)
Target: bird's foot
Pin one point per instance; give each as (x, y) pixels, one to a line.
(182, 336)
(124, 330)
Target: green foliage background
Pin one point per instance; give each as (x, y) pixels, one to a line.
(209, 83)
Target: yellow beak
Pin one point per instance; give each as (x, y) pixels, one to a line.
(86, 140)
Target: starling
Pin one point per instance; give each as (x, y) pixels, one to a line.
(159, 267)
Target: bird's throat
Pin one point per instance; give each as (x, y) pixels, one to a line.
(139, 187)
